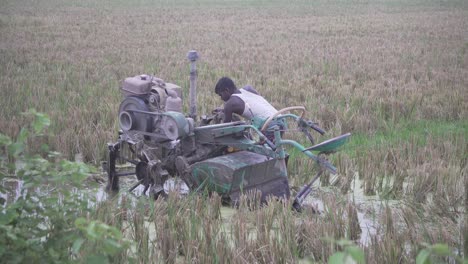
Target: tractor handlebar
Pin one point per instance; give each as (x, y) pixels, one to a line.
(316, 128)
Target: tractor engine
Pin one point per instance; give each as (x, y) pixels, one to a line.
(153, 106)
(152, 123)
(161, 142)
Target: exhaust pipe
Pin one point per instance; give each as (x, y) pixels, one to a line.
(192, 56)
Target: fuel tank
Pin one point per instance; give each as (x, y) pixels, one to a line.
(241, 172)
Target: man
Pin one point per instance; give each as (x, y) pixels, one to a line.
(245, 102)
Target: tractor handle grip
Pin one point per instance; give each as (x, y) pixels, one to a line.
(317, 128)
(303, 124)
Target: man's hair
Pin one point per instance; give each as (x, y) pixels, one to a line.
(223, 83)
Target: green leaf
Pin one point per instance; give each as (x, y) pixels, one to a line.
(2, 251)
(4, 140)
(23, 135)
(423, 257)
(51, 200)
(97, 259)
(45, 148)
(114, 232)
(91, 230)
(53, 253)
(111, 247)
(29, 185)
(337, 258)
(440, 249)
(344, 242)
(80, 223)
(356, 253)
(7, 217)
(15, 149)
(77, 245)
(42, 121)
(12, 236)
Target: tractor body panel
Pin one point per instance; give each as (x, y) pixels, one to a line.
(241, 172)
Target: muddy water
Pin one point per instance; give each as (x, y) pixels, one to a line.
(368, 207)
(367, 221)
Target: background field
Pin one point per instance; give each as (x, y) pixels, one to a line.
(358, 66)
(394, 73)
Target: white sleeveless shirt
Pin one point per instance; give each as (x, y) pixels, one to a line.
(255, 105)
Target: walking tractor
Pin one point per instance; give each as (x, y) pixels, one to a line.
(205, 155)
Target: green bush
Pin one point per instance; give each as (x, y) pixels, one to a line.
(47, 221)
(438, 253)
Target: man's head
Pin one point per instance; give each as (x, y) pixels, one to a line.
(225, 88)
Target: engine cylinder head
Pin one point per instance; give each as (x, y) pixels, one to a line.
(174, 104)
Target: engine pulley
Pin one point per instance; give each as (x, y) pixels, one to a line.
(174, 125)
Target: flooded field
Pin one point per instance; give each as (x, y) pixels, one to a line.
(367, 221)
(176, 228)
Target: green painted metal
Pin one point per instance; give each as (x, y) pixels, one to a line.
(235, 173)
(232, 134)
(256, 165)
(331, 145)
(281, 142)
(235, 135)
(257, 122)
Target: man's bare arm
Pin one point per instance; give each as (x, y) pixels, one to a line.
(234, 105)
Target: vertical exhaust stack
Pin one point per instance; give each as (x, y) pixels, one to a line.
(193, 56)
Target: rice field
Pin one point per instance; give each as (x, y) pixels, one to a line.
(394, 73)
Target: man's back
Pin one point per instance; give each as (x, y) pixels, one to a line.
(255, 105)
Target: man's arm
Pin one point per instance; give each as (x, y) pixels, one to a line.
(234, 105)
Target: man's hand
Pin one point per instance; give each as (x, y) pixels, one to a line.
(217, 110)
(218, 115)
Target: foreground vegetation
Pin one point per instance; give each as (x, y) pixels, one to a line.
(394, 73)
